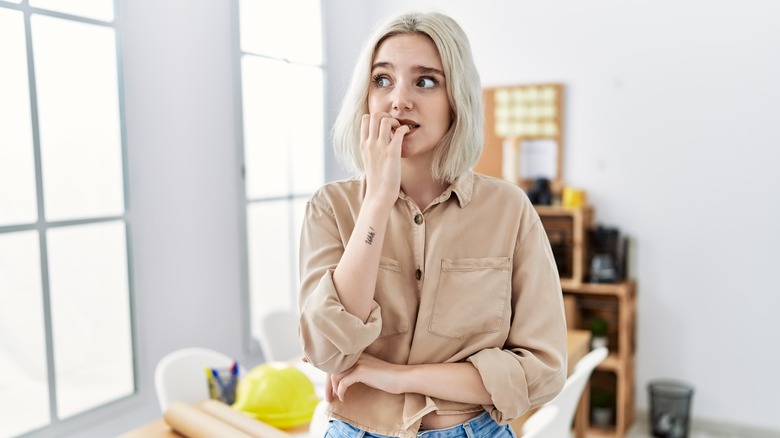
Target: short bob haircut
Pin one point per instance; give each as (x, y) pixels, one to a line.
(461, 146)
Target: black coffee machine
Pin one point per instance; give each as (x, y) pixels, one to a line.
(608, 255)
(540, 193)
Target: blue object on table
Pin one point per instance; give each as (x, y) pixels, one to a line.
(223, 383)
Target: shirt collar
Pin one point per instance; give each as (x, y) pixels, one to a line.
(463, 187)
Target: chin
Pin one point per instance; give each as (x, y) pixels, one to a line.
(406, 150)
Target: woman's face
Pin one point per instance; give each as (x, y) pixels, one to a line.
(407, 81)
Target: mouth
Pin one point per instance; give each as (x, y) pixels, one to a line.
(410, 123)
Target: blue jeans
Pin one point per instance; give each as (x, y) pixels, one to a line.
(481, 426)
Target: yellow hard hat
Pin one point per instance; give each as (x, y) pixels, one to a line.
(277, 394)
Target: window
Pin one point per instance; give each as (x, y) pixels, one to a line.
(65, 316)
(283, 141)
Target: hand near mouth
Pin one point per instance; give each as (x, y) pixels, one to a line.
(381, 136)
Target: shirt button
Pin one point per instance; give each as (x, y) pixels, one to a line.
(418, 218)
(418, 274)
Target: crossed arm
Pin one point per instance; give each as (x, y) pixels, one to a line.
(434, 380)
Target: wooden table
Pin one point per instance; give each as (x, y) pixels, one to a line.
(160, 429)
(578, 345)
(156, 429)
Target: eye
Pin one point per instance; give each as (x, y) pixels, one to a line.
(427, 82)
(381, 81)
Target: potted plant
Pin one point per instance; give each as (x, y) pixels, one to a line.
(601, 407)
(599, 330)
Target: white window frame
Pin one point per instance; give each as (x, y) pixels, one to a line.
(56, 425)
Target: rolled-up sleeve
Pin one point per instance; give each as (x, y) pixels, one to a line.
(530, 369)
(332, 338)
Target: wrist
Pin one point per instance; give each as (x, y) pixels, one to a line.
(379, 203)
(406, 379)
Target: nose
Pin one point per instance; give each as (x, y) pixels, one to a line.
(402, 98)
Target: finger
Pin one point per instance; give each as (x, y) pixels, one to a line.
(387, 126)
(303, 359)
(400, 132)
(340, 383)
(336, 379)
(373, 126)
(342, 388)
(328, 389)
(365, 123)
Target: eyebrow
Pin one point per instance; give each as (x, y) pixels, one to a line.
(417, 68)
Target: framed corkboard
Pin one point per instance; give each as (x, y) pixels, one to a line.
(524, 134)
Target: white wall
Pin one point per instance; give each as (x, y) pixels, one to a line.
(673, 128)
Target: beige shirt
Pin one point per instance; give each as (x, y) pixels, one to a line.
(470, 278)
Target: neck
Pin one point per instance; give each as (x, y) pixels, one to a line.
(418, 184)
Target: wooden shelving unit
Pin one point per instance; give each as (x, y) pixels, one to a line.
(618, 303)
(567, 230)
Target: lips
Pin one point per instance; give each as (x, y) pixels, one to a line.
(410, 123)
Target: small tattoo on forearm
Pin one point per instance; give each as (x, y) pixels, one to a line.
(371, 234)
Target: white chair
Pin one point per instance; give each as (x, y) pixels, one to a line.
(319, 421)
(536, 425)
(567, 400)
(279, 342)
(180, 375)
(279, 336)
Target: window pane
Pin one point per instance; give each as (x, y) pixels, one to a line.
(290, 30)
(12, 1)
(283, 127)
(270, 259)
(17, 171)
(265, 127)
(90, 315)
(24, 396)
(97, 9)
(78, 110)
(306, 131)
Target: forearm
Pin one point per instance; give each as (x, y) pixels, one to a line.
(356, 273)
(458, 382)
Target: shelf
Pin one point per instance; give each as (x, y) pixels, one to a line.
(611, 363)
(566, 229)
(560, 210)
(594, 431)
(616, 289)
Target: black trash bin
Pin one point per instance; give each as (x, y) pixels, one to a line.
(670, 408)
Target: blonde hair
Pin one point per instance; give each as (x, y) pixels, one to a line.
(461, 146)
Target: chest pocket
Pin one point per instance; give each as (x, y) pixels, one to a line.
(472, 297)
(389, 295)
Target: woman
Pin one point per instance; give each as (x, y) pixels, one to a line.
(429, 293)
